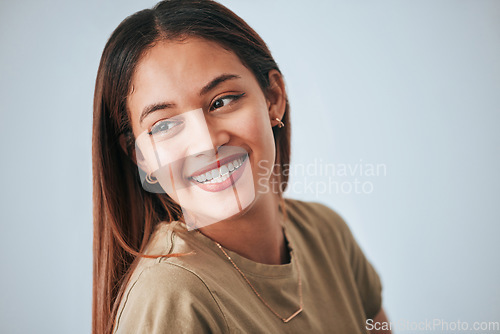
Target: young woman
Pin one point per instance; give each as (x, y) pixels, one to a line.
(191, 143)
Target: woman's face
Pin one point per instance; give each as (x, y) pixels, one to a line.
(203, 128)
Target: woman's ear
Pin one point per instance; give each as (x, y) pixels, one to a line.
(276, 95)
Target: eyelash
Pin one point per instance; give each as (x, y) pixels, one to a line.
(233, 97)
(163, 122)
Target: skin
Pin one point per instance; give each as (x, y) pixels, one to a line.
(176, 72)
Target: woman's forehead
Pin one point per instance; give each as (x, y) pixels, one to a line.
(194, 59)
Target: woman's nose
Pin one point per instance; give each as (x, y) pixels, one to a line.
(206, 135)
(219, 135)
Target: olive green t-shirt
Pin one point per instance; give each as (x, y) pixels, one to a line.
(204, 293)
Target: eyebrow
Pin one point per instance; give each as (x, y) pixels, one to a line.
(206, 89)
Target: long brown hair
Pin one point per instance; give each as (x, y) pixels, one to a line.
(124, 213)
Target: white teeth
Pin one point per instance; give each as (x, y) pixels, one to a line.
(221, 174)
(219, 179)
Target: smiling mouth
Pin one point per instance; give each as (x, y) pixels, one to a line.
(220, 174)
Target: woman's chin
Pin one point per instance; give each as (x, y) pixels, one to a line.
(200, 219)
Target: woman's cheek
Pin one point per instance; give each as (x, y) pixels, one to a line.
(246, 123)
(252, 123)
(259, 137)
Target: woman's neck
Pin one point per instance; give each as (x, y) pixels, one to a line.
(257, 234)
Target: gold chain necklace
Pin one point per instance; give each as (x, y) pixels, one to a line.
(285, 320)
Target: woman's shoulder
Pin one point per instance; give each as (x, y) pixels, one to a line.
(173, 247)
(166, 297)
(163, 278)
(342, 246)
(164, 294)
(315, 215)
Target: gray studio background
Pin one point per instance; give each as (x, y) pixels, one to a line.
(412, 85)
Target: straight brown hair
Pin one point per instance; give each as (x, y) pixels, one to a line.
(124, 214)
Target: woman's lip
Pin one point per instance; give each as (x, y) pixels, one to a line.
(234, 176)
(217, 164)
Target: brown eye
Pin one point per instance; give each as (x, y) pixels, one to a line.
(225, 100)
(219, 103)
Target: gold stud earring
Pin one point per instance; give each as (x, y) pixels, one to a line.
(280, 123)
(151, 179)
